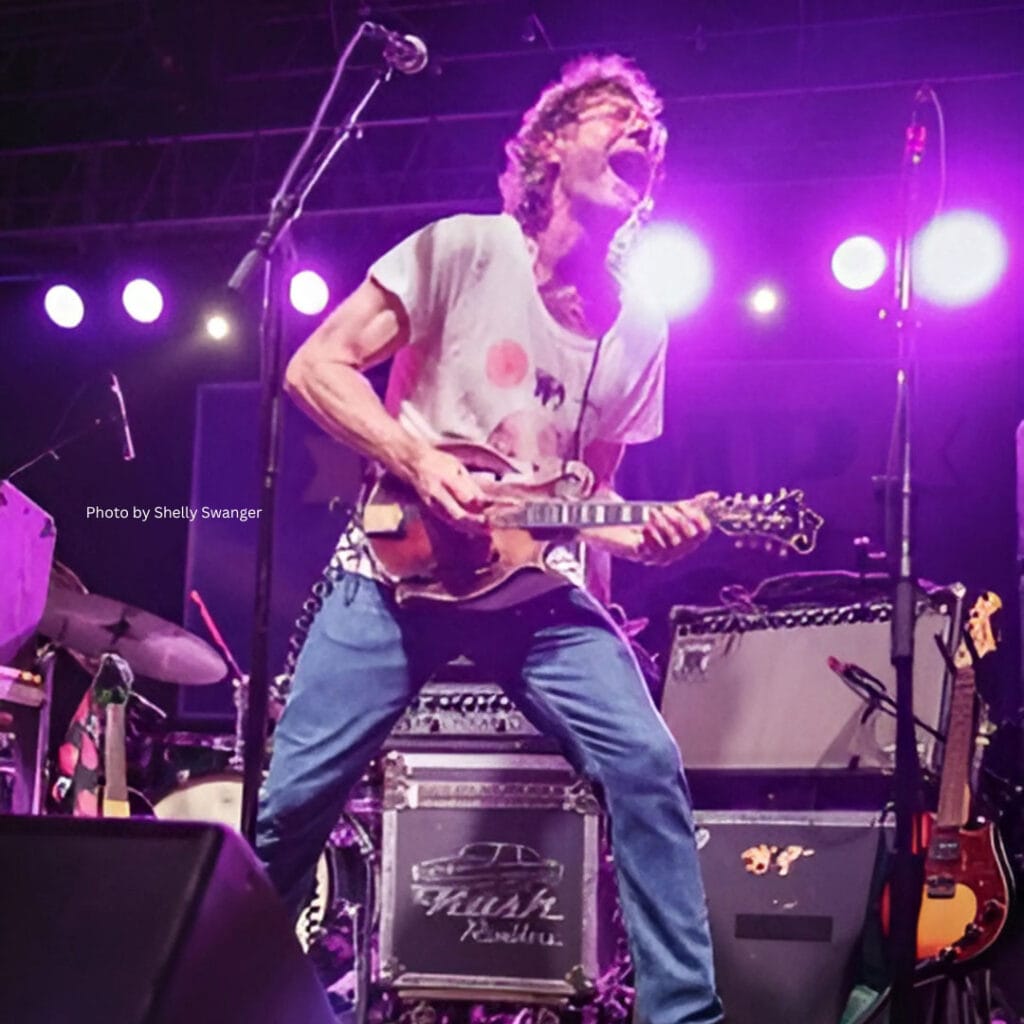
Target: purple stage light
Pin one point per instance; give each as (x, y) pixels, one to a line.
(671, 268)
(958, 258)
(308, 292)
(64, 306)
(764, 300)
(859, 262)
(142, 300)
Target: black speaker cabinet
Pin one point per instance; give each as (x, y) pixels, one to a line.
(493, 885)
(788, 895)
(753, 689)
(143, 922)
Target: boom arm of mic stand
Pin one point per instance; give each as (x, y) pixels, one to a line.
(59, 445)
(285, 209)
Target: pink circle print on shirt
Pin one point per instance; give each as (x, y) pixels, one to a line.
(507, 364)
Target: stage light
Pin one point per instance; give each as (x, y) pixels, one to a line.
(142, 300)
(308, 292)
(218, 326)
(858, 262)
(671, 268)
(958, 258)
(764, 300)
(64, 306)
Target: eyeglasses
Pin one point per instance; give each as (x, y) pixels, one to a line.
(633, 119)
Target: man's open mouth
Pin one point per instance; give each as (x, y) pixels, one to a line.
(632, 166)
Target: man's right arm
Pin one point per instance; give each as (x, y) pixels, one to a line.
(326, 379)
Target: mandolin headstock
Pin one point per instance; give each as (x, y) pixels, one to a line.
(781, 520)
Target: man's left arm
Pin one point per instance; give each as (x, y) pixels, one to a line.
(673, 530)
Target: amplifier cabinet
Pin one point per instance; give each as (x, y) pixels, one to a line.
(23, 741)
(788, 895)
(492, 881)
(754, 690)
(468, 714)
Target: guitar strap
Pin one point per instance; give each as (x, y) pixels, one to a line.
(75, 790)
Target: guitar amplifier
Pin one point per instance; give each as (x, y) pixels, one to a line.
(753, 689)
(460, 709)
(493, 884)
(25, 710)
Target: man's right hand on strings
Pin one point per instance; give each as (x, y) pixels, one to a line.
(448, 489)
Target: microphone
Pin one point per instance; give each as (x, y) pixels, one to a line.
(916, 134)
(127, 448)
(407, 54)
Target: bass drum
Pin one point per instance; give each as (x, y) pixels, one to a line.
(218, 799)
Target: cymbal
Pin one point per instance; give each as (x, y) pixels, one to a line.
(152, 646)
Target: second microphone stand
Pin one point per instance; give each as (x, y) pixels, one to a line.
(906, 874)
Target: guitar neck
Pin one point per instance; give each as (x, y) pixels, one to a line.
(115, 788)
(954, 793)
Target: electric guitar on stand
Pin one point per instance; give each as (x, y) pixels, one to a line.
(968, 887)
(428, 559)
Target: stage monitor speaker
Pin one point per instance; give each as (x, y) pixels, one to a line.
(753, 689)
(788, 896)
(143, 922)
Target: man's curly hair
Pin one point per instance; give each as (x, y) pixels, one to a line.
(528, 180)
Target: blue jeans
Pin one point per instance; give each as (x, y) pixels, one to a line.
(570, 671)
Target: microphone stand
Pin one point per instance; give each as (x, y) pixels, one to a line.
(53, 450)
(907, 864)
(285, 209)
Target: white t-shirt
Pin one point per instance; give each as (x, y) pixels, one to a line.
(488, 363)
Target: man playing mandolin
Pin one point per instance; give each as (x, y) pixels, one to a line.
(513, 331)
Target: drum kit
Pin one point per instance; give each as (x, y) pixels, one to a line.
(196, 776)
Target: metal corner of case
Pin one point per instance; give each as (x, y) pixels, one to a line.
(579, 797)
(582, 984)
(390, 970)
(397, 780)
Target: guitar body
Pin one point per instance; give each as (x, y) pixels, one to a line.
(966, 898)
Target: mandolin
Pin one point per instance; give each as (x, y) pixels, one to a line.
(428, 559)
